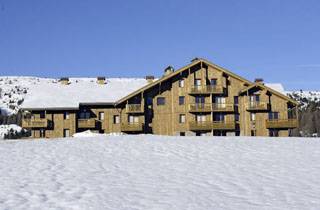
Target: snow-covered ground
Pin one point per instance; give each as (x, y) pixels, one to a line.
(153, 172)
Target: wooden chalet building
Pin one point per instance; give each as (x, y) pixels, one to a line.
(198, 99)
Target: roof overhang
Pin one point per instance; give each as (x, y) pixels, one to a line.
(262, 86)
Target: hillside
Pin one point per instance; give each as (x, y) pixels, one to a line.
(309, 112)
(153, 172)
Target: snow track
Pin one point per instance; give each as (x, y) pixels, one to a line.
(152, 172)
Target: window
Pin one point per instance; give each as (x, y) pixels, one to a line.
(273, 115)
(197, 82)
(252, 116)
(273, 132)
(161, 101)
(116, 119)
(133, 119)
(219, 133)
(66, 116)
(254, 100)
(84, 114)
(42, 133)
(220, 102)
(200, 118)
(213, 82)
(181, 100)
(181, 83)
(101, 115)
(236, 100)
(200, 99)
(253, 133)
(218, 117)
(149, 101)
(182, 133)
(182, 118)
(201, 134)
(42, 115)
(66, 132)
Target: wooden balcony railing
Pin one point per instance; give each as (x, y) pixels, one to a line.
(86, 123)
(206, 89)
(200, 107)
(131, 127)
(257, 106)
(134, 108)
(216, 107)
(223, 125)
(208, 107)
(200, 126)
(282, 123)
(35, 123)
(209, 125)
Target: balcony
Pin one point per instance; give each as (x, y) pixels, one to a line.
(206, 89)
(223, 125)
(257, 106)
(222, 107)
(86, 123)
(283, 123)
(35, 123)
(209, 125)
(200, 126)
(134, 108)
(131, 127)
(200, 107)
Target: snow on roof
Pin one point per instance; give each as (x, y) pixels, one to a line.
(276, 86)
(49, 93)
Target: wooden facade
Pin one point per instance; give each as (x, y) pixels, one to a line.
(198, 99)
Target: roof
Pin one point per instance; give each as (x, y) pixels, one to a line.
(276, 86)
(52, 94)
(195, 62)
(49, 94)
(277, 89)
(275, 92)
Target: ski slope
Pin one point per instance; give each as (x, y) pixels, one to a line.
(153, 172)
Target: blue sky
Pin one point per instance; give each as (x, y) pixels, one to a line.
(276, 40)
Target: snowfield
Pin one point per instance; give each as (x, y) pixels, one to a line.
(153, 172)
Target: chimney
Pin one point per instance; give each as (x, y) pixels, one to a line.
(101, 80)
(168, 70)
(258, 80)
(195, 59)
(150, 78)
(64, 81)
